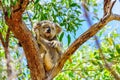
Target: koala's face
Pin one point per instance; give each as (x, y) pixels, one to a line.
(48, 29)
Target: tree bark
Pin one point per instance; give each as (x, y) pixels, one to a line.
(29, 45)
(28, 42)
(78, 42)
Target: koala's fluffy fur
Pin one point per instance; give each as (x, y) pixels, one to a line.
(50, 48)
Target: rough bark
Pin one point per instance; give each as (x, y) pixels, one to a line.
(30, 46)
(27, 40)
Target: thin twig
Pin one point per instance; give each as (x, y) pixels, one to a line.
(6, 43)
(3, 7)
(2, 40)
(90, 23)
(7, 37)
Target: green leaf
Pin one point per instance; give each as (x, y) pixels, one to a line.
(67, 4)
(36, 1)
(9, 12)
(69, 39)
(94, 63)
(71, 74)
(110, 40)
(61, 36)
(73, 4)
(2, 53)
(25, 18)
(118, 48)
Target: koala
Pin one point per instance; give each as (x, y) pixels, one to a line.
(50, 48)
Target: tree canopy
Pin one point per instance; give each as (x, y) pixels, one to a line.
(90, 53)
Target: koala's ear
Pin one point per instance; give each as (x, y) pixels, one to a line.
(58, 28)
(35, 28)
(37, 25)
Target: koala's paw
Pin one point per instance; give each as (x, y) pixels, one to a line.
(55, 44)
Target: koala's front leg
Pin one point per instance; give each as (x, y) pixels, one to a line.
(56, 44)
(45, 43)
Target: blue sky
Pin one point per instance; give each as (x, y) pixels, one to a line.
(113, 24)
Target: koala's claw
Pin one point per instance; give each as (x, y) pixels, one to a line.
(49, 44)
(55, 44)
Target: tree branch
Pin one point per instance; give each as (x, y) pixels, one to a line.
(28, 42)
(20, 6)
(90, 23)
(6, 43)
(7, 55)
(108, 9)
(10, 71)
(112, 71)
(2, 40)
(78, 42)
(7, 37)
(24, 5)
(108, 5)
(115, 17)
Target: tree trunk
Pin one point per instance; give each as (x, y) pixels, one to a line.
(29, 45)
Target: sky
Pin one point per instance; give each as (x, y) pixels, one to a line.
(114, 24)
(85, 26)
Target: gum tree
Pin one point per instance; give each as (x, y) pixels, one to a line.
(15, 12)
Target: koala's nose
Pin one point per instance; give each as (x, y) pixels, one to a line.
(48, 30)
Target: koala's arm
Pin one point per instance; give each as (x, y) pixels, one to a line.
(54, 43)
(45, 43)
(48, 62)
(58, 45)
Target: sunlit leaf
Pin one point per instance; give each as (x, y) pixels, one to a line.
(61, 36)
(110, 41)
(36, 1)
(69, 39)
(118, 48)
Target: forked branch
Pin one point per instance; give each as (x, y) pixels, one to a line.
(83, 38)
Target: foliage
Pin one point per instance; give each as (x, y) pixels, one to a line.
(63, 12)
(86, 62)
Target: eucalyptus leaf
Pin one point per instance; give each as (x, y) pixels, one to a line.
(61, 36)
(69, 39)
